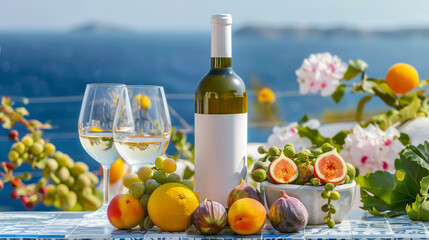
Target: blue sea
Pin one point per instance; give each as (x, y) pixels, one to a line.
(52, 69)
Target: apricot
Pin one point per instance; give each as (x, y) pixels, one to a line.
(247, 216)
(125, 211)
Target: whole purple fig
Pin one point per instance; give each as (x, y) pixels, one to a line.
(210, 217)
(288, 214)
(244, 190)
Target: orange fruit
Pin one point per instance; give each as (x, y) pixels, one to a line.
(171, 207)
(116, 170)
(266, 96)
(402, 78)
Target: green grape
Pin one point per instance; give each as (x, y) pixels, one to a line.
(48, 200)
(317, 152)
(326, 147)
(51, 164)
(259, 175)
(63, 174)
(51, 190)
(170, 165)
(91, 202)
(27, 141)
(83, 180)
(137, 189)
(151, 185)
(325, 208)
(144, 200)
(329, 187)
(40, 141)
(272, 158)
(93, 177)
(18, 162)
(63, 159)
(289, 151)
(36, 135)
(188, 183)
(333, 210)
(160, 176)
(13, 155)
(145, 173)
(48, 149)
(86, 191)
(331, 223)
(174, 178)
(301, 157)
(42, 182)
(130, 179)
(325, 194)
(315, 182)
(148, 224)
(37, 148)
(70, 181)
(62, 189)
(335, 195)
(159, 162)
(262, 150)
(273, 151)
(79, 168)
(347, 179)
(326, 219)
(258, 165)
(25, 156)
(20, 147)
(71, 199)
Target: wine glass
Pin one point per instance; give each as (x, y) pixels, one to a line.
(95, 131)
(142, 126)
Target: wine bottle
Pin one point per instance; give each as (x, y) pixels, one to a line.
(220, 120)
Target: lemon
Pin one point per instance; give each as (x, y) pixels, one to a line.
(171, 207)
(402, 78)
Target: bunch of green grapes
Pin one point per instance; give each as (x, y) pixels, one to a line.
(329, 208)
(65, 184)
(149, 178)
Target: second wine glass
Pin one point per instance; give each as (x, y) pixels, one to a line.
(142, 126)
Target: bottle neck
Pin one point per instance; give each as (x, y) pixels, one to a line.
(221, 42)
(220, 62)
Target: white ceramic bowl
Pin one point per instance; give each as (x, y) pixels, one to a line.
(310, 197)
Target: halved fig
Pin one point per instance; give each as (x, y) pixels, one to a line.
(330, 167)
(282, 170)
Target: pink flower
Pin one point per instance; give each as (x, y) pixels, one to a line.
(289, 134)
(320, 72)
(371, 149)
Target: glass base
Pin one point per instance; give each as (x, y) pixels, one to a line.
(101, 213)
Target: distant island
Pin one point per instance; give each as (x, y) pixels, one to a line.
(261, 31)
(100, 28)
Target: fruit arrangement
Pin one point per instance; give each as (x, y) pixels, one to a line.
(156, 188)
(65, 184)
(315, 168)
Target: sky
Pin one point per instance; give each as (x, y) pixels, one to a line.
(194, 15)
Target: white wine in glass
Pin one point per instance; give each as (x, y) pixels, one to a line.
(95, 131)
(142, 125)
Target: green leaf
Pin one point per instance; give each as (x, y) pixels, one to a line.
(313, 134)
(404, 139)
(355, 67)
(386, 94)
(360, 107)
(339, 93)
(419, 210)
(339, 139)
(188, 173)
(423, 83)
(303, 120)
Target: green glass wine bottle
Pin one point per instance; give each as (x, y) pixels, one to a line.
(220, 120)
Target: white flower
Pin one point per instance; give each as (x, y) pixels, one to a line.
(371, 149)
(320, 72)
(289, 134)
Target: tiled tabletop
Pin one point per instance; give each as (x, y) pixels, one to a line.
(72, 225)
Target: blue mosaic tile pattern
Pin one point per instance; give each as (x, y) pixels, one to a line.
(72, 226)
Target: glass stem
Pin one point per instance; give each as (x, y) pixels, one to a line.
(106, 178)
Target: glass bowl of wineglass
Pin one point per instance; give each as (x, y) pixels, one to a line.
(95, 131)
(142, 125)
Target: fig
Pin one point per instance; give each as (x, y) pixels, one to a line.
(330, 168)
(282, 170)
(288, 214)
(305, 173)
(210, 217)
(244, 190)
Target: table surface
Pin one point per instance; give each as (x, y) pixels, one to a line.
(72, 225)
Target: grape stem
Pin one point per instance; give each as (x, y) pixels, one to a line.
(18, 117)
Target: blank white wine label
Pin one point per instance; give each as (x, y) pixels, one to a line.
(220, 154)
